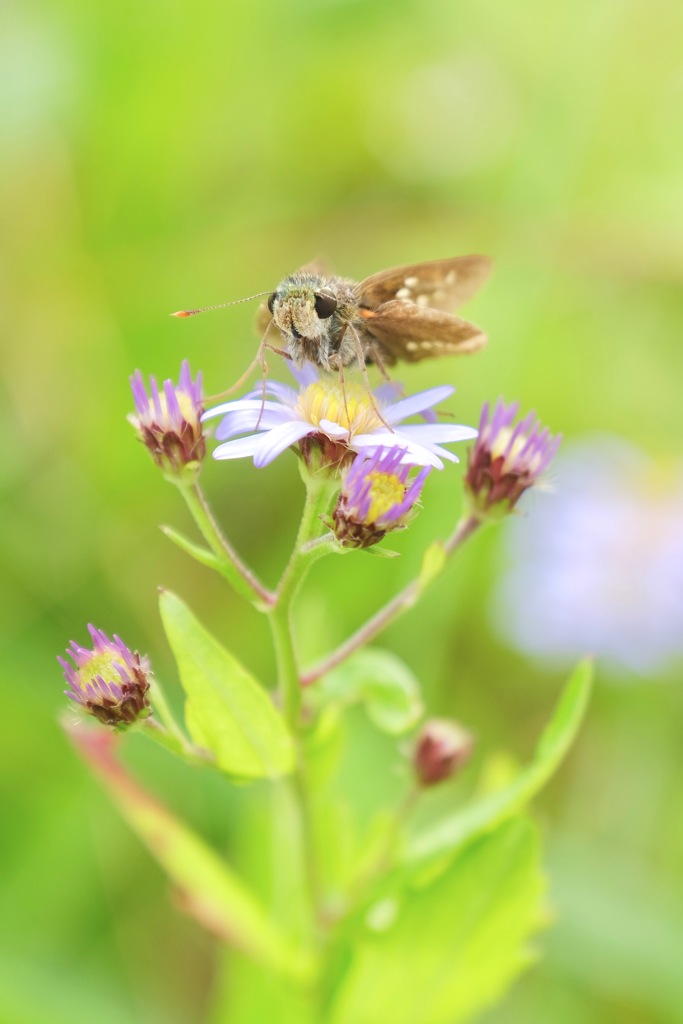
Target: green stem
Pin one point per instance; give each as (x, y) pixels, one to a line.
(244, 581)
(162, 706)
(404, 600)
(319, 492)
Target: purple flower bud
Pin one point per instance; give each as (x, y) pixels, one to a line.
(442, 748)
(168, 422)
(108, 681)
(506, 460)
(376, 497)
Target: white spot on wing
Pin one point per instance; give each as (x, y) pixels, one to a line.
(410, 282)
(403, 293)
(412, 346)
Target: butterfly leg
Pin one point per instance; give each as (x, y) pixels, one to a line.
(380, 364)
(360, 356)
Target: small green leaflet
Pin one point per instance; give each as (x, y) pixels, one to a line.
(381, 681)
(227, 712)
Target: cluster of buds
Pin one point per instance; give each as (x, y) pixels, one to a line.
(506, 460)
(442, 748)
(376, 498)
(108, 681)
(168, 422)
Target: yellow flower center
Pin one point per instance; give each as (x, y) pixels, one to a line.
(350, 407)
(99, 665)
(386, 490)
(501, 442)
(187, 409)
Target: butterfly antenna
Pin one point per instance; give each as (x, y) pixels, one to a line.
(221, 305)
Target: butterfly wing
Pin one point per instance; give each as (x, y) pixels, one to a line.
(404, 330)
(440, 284)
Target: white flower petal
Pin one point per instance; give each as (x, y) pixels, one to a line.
(279, 438)
(239, 406)
(389, 391)
(306, 375)
(283, 392)
(251, 419)
(240, 448)
(332, 429)
(417, 403)
(438, 433)
(415, 454)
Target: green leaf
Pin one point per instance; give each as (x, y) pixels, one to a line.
(227, 711)
(444, 952)
(245, 993)
(384, 683)
(210, 891)
(488, 811)
(196, 551)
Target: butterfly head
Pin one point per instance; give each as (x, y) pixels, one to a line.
(302, 311)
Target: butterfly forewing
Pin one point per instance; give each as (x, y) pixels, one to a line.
(404, 330)
(439, 284)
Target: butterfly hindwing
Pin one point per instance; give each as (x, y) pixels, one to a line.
(406, 331)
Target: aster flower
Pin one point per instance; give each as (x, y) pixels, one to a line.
(108, 681)
(330, 423)
(442, 748)
(506, 460)
(168, 422)
(376, 497)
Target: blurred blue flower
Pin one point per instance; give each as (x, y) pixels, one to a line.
(599, 567)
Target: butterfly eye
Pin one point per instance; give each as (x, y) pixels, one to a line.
(271, 302)
(325, 305)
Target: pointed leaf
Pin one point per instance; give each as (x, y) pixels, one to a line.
(442, 953)
(227, 711)
(209, 889)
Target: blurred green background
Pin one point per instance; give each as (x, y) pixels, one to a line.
(160, 156)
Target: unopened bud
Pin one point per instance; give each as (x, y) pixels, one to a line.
(168, 422)
(376, 498)
(442, 748)
(506, 460)
(108, 680)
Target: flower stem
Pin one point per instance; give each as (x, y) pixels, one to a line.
(244, 581)
(404, 600)
(319, 492)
